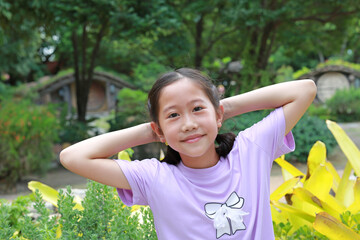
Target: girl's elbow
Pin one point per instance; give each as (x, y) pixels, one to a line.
(310, 89)
(65, 157)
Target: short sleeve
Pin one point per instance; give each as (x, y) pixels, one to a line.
(140, 175)
(269, 134)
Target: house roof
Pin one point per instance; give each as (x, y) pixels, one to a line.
(330, 68)
(47, 84)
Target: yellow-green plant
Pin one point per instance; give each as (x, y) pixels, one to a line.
(320, 198)
(317, 204)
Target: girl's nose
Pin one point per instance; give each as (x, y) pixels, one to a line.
(189, 124)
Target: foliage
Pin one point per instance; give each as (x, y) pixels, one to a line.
(238, 123)
(302, 71)
(20, 40)
(72, 131)
(339, 62)
(131, 109)
(284, 74)
(307, 131)
(319, 205)
(103, 217)
(282, 231)
(320, 111)
(145, 75)
(28, 132)
(319, 199)
(345, 105)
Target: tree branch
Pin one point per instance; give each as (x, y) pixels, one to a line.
(329, 16)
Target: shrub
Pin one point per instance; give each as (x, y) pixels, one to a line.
(307, 131)
(27, 135)
(71, 130)
(320, 111)
(104, 217)
(345, 105)
(131, 109)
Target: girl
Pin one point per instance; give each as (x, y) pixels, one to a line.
(201, 190)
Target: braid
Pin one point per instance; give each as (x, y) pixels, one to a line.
(172, 156)
(226, 142)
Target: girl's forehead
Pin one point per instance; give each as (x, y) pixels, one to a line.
(182, 90)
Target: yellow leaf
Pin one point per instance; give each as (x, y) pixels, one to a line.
(162, 155)
(123, 155)
(16, 236)
(277, 216)
(284, 188)
(320, 182)
(292, 210)
(334, 173)
(307, 207)
(49, 194)
(78, 204)
(58, 232)
(286, 175)
(333, 228)
(291, 214)
(135, 208)
(335, 204)
(355, 206)
(317, 157)
(290, 168)
(346, 144)
(345, 188)
(308, 197)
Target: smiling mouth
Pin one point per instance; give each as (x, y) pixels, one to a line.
(192, 139)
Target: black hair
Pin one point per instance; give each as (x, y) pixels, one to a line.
(225, 141)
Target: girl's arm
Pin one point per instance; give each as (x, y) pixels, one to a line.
(89, 158)
(295, 97)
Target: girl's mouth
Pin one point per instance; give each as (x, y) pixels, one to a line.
(192, 138)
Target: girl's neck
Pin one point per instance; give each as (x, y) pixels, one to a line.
(210, 159)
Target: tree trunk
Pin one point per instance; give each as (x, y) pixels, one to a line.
(81, 95)
(198, 43)
(84, 72)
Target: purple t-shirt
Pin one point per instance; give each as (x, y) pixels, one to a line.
(227, 201)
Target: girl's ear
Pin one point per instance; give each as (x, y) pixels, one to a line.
(158, 131)
(220, 115)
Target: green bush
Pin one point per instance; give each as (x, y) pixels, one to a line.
(73, 131)
(131, 109)
(345, 105)
(104, 217)
(28, 132)
(283, 231)
(306, 132)
(320, 111)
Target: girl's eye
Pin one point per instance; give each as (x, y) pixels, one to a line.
(173, 115)
(196, 109)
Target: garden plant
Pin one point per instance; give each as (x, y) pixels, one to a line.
(318, 204)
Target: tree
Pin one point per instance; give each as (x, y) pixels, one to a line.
(271, 24)
(19, 40)
(85, 25)
(202, 25)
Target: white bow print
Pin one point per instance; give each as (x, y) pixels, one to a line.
(228, 217)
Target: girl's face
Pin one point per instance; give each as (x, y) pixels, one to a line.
(188, 122)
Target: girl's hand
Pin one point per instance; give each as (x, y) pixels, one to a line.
(294, 96)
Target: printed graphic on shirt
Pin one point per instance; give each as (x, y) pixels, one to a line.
(228, 216)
